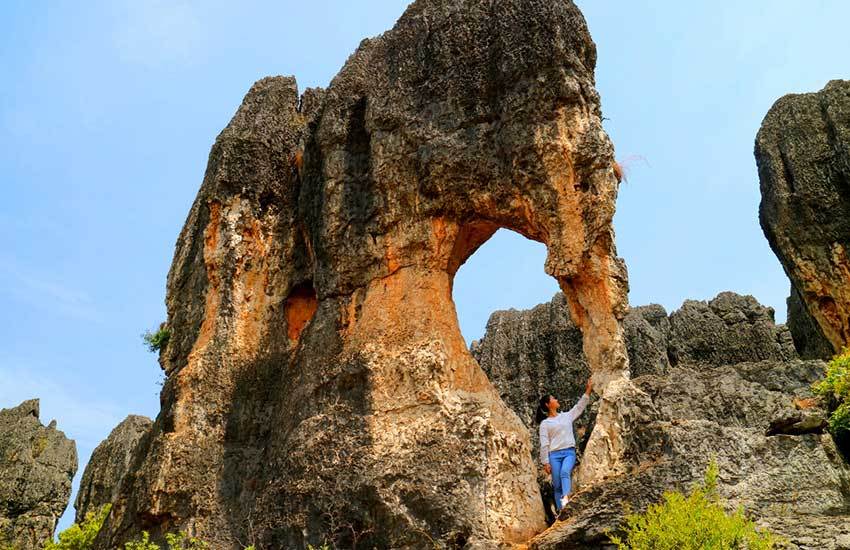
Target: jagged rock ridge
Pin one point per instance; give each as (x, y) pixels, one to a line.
(715, 378)
(803, 156)
(318, 386)
(37, 464)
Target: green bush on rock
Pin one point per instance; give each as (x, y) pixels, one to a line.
(836, 389)
(155, 341)
(692, 522)
(178, 541)
(81, 536)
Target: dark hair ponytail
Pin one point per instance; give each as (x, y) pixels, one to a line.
(542, 409)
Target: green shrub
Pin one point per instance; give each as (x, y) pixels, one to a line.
(157, 340)
(141, 543)
(174, 541)
(81, 537)
(836, 389)
(692, 522)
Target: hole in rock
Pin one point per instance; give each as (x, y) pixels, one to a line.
(299, 308)
(505, 272)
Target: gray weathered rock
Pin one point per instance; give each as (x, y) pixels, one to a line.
(37, 464)
(108, 465)
(803, 156)
(528, 353)
(808, 337)
(726, 330)
(713, 378)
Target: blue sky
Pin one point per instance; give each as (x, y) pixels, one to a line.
(108, 110)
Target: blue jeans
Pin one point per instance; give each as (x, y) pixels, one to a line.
(562, 462)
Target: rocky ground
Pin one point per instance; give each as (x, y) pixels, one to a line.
(37, 464)
(712, 379)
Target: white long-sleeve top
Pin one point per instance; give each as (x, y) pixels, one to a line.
(556, 432)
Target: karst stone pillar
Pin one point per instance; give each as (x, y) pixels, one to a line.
(319, 389)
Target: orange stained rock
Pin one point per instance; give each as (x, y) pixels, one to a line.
(299, 308)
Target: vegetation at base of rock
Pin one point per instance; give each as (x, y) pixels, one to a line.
(836, 389)
(156, 340)
(690, 522)
(173, 541)
(81, 536)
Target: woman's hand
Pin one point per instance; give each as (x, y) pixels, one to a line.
(548, 468)
(589, 387)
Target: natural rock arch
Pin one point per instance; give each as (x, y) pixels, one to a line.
(375, 424)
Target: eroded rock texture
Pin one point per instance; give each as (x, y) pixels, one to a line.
(108, 465)
(803, 156)
(808, 336)
(318, 386)
(714, 378)
(37, 464)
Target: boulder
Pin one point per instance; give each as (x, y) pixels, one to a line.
(803, 156)
(37, 464)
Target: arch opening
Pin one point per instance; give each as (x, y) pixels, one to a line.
(502, 271)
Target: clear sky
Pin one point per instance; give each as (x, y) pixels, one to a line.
(108, 110)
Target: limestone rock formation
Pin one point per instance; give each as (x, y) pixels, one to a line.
(318, 386)
(727, 330)
(37, 464)
(803, 156)
(714, 378)
(108, 465)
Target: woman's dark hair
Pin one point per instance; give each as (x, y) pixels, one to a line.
(542, 409)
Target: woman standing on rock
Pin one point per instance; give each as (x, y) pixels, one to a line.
(557, 442)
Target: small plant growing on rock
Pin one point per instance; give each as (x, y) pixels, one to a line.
(157, 340)
(175, 541)
(691, 522)
(835, 388)
(81, 536)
